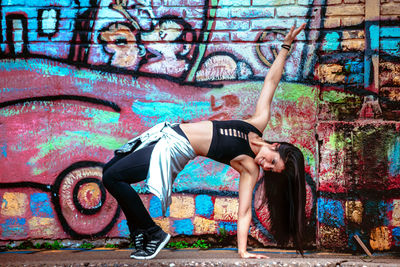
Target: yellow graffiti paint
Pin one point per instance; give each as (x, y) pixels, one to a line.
(358, 34)
(331, 237)
(14, 204)
(42, 227)
(380, 238)
(354, 211)
(204, 226)
(164, 224)
(182, 207)
(226, 208)
(89, 195)
(353, 45)
(331, 73)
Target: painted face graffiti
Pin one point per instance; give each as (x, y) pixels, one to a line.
(168, 46)
(122, 42)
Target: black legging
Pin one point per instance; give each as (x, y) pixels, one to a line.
(118, 174)
(123, 170)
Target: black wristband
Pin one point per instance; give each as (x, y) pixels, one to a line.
(286, 46)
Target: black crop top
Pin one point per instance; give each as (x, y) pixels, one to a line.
(230, 139)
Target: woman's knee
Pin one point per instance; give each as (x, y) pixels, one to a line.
(108, 178)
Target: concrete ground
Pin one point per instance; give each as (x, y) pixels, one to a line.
(188, 257)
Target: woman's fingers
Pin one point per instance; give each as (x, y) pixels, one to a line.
(254, 256)
(292, 29)
(294, 32)
(262, 257)
(299, 29)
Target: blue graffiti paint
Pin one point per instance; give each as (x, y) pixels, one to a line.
(396, 236)
(394, 158)
(390, 32)
(354, 66)
(123, 228)
(354, 78)
(367, 72)
(140, 187)
(391, 46)
(4, 203)
(13, 231)
(389, 40)
(155, 208)
(230, 227)
(84, 87)
(14, 227)
(156, 112)
(205, 174)
(351, 242)
(374, 37)
(47, 23)
(204, 205)
(40, 205)
(330, 212)
(3, 150)
(376, 213)
(331, 42)
(184, 226)
(13, 2)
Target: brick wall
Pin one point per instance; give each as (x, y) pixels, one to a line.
(80, 78)
(358, 128)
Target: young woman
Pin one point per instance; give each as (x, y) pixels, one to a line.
(159, 154)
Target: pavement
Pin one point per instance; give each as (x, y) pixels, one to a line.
(190, 257)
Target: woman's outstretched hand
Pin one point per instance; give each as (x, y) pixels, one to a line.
(293, 33)
(247, 255)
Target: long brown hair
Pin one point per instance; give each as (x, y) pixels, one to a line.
(285, 196)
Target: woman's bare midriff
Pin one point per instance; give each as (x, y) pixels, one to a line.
(199, 135)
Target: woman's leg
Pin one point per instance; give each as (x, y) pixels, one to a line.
(118, 174)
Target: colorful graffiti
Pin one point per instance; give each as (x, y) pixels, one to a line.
(62, 126)
(358, 127)
(79, 78)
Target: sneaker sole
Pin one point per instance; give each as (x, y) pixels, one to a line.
(160, 247)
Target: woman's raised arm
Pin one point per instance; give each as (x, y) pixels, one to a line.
(261, 116)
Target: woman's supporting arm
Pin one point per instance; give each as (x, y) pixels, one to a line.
(262, 114)
(246, 185)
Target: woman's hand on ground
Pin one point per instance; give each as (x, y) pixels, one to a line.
(293, 33)
(247, 255)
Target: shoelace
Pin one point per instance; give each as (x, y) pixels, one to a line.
(139, 241)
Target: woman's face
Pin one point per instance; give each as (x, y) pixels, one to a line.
(269, 159)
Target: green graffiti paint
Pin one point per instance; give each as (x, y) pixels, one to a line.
(337, 141)
(308, 156)
(286, 91)
(70, 140)
(13, 111)
(294, 92)
(335, 96)
(101, 116)
(46, 67)
(98, 116)
(339, 105)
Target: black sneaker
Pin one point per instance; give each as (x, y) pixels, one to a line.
(138, 240)
(153, 245)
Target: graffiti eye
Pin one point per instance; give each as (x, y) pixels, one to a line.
(121, 41)
(162, 34)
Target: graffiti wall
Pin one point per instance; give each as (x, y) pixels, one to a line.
(81, 77)
(358, 125)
